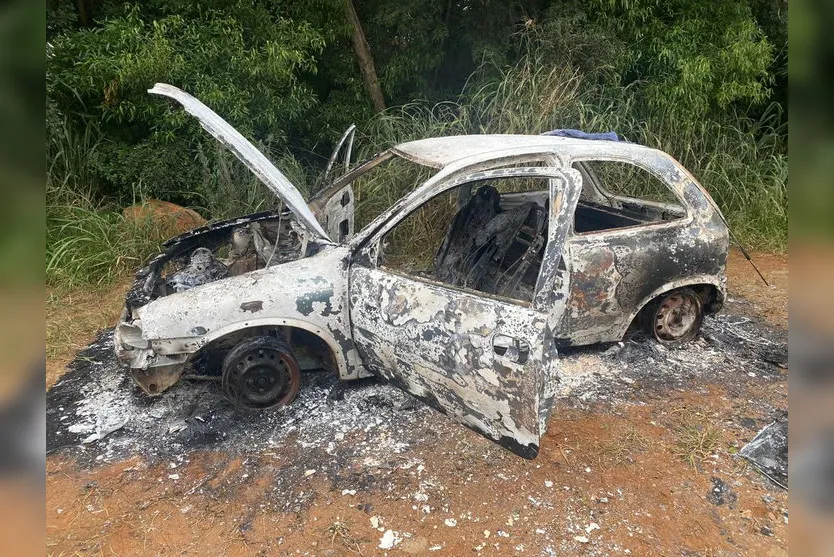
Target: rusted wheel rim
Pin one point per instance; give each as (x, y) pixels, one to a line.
(675, 317)
(263, 377)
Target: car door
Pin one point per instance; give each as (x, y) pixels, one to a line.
(485, 361)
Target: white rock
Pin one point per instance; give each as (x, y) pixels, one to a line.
(450, 522)
(389, 539)
(548, 483)
(173, 476)
(348, 492)
(591, 527)
(376, 522)
(309, 472)
(487, 533)
(587, 469)
(581, 539)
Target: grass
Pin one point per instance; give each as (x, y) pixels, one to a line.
(340, 534)
(73, 317)
(741, 162)
(88, 245)
(695, 438)
(620, 451)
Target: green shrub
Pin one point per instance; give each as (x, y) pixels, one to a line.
(94, 246)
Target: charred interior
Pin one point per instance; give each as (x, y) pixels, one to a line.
(592, 217)
(492, 241)
(620, 195)
(217, 251)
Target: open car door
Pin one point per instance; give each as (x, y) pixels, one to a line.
(485, 361)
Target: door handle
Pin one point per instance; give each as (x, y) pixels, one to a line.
(513, 349)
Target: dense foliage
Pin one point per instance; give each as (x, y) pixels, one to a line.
(703, 80)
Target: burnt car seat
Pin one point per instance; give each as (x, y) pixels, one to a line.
(474, 251)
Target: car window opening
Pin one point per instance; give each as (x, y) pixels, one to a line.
(487, 236)
(620, 195)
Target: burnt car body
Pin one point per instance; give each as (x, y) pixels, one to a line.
(518, 275)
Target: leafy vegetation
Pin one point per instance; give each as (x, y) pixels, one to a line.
(703, 81)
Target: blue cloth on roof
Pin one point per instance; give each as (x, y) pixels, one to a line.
(579, 134)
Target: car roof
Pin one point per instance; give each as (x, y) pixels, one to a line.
(442, 151)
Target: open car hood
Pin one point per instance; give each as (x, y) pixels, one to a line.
(248, 155)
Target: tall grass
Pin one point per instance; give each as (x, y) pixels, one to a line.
(229, 189)
(741, 162)
(88, 243)
(91, 243)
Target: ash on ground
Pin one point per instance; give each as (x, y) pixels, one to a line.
(730, 350)
(97, 402)
(96, 414)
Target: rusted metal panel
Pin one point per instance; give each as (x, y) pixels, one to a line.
(307, 293)
(457, 367)
(436, 343)
(616, 272)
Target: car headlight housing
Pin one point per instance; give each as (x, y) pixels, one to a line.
(130, 335)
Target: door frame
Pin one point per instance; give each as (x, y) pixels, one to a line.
(563, 194)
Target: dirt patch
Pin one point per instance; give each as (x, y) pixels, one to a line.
(74, 319)
(639, 440)
(750, 296)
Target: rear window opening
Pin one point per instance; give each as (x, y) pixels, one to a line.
(621, 195)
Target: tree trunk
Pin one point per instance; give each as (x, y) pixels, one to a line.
(83, 12)
(365, 59)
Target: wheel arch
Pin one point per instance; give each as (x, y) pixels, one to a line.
(710, 288)
(337, 355)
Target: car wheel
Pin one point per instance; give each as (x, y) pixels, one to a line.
(675, 318)
(260, 373)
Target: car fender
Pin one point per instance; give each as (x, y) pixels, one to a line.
(347, 360)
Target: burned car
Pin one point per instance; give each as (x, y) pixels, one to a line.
(501, 250)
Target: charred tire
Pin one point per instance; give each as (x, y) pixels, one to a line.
(674, 318)
(260, 373)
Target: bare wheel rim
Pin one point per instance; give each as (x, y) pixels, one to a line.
(676, 316)
(262, 377)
